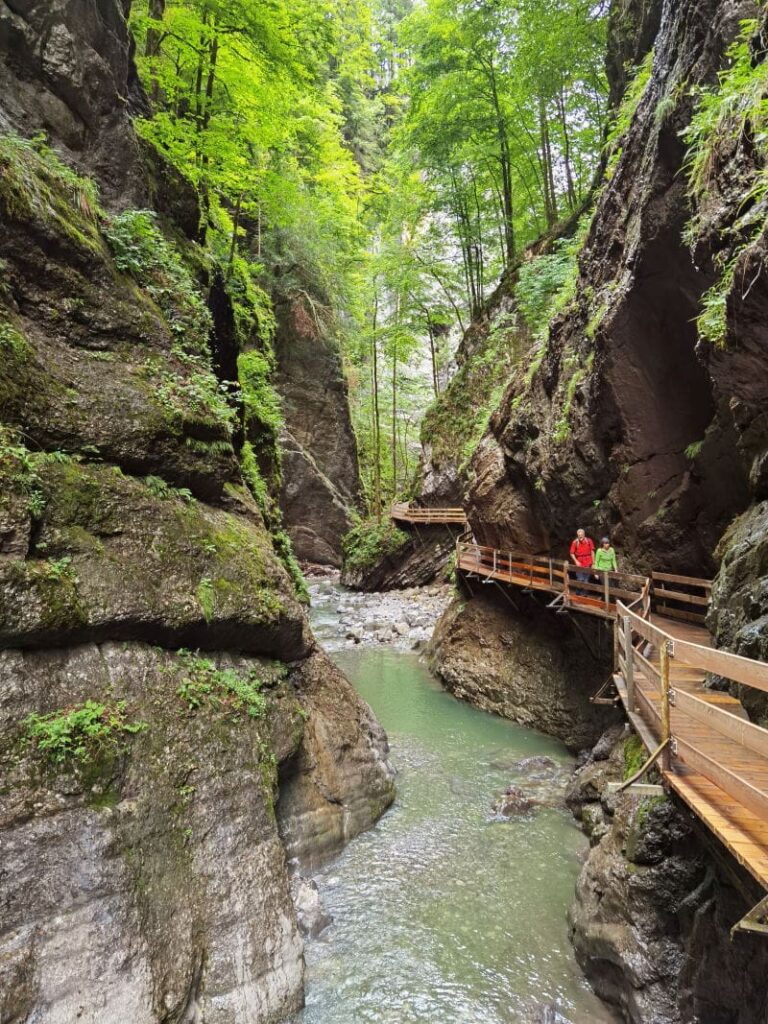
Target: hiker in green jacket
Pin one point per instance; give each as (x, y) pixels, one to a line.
(605, 557)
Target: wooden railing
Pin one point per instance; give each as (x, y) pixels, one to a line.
(680, 597)
(407, 513)
(703, 729)
(596, 595)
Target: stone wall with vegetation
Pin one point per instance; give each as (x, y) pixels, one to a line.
(170, 731)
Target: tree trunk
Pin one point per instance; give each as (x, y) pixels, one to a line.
(394, 400)
(152, 46)
(376, 413)
(505, 162)
(572, 200)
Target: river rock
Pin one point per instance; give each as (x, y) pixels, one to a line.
(513, 802)
(311, 915)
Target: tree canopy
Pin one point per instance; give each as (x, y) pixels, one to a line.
(389, 159)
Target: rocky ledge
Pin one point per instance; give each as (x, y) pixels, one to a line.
(509, 655)
(655, 902)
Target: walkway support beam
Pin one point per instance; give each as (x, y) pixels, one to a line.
(666, 721)
(629, 664)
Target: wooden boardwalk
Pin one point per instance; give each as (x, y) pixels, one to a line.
(675, 688)
(405, 513)
(709, 753)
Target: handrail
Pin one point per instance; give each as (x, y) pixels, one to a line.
(408, 513)
(681, 715)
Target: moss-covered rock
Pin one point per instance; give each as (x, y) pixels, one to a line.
(112, 559)
(181, 874)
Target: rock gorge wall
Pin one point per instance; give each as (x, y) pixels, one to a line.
(634, 425)
(145, 877)
(321, 481)
(655, 903)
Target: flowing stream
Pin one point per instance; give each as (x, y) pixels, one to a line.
(443, 914)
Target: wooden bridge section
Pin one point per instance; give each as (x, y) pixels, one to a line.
(709, 753)
(405, 513)
(675, 688)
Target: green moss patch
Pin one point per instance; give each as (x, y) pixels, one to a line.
(36, 185)
(369, 541)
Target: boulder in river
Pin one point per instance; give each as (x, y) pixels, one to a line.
(512, 802)
(311, 915)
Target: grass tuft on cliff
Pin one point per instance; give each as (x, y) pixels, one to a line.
(205, 685)
(732, 115)
(141, 250)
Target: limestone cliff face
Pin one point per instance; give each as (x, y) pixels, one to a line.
(144, 864)
(321, 486)
(67, 70)
(630, 426)
(523, 663)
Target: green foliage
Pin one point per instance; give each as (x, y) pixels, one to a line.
(738, 105)
(36, 185)
(284, 549)
(206, 596)
(253, 478)
(59, 569)
(369, 541)
(547, 283)
(206, 686)
(192, 391)
(19, 471)
(12, 342)
(625, 115)
(634, 755)
(158, 488)
(693, 450)
(261, 402)
(273, 519)
(726, 115)
(79, 735)
(140, 249)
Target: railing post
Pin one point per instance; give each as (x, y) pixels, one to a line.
(566, 583)
(494, 560)
(629, 665)
(616, 628)
(606, 588)
(666, 723)
(551, 574)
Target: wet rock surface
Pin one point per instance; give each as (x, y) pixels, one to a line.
(321, 477)
(526, 664)
(311, 915)
(650, 922)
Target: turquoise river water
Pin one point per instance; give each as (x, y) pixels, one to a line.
(443, 914)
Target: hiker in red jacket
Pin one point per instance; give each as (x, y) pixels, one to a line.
(582, 556)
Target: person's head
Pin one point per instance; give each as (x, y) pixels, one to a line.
(606, 542)
(580, 534)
